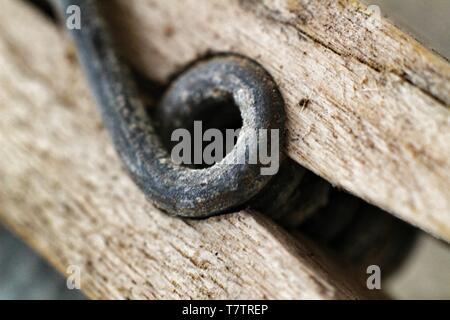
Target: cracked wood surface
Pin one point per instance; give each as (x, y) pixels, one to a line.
(64, 191)
(368, 106)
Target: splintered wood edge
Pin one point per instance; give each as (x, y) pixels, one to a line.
(65, 192)
(368, 106)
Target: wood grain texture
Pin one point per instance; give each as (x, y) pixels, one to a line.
(368, 107)
(64, 191)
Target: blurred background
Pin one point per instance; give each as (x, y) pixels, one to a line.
(425, 274)
(426, 20)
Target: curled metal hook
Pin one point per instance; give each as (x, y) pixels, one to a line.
(293, 197)
(176, 189)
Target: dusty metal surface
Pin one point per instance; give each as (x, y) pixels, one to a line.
(178, 190)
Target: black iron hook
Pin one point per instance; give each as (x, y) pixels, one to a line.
(179, 190)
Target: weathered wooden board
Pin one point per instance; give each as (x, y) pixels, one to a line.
(368, 106)
(64, 191)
